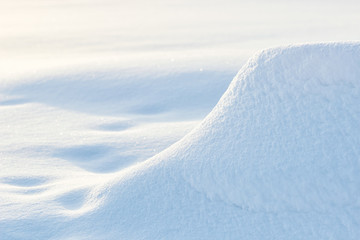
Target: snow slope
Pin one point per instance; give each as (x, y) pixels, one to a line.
(277, 158)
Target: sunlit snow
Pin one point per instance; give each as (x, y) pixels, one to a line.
(106, 132)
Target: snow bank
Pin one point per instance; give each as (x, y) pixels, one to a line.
(277, 158)
(286, 135)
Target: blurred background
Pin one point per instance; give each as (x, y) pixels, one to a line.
(159, 35)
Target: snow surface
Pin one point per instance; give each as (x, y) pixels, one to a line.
(39, 35)
(277, 158)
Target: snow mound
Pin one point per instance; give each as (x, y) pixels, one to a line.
(277, 158)
(286, 134)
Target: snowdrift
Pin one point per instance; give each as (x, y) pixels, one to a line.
(277, 158)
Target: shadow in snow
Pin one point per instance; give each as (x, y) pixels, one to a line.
(116, 126)
(24, 181)
(114, 93)
(12, 102)
(73, 200)
(95, 158)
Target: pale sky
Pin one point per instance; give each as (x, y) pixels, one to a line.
(38, 35)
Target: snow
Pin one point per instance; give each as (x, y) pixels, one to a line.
(61, 130)
(277, 157)
(38, 35)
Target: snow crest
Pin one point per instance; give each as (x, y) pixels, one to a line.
(286, 134)
(277, 158)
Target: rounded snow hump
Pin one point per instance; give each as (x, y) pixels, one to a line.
(277, 158)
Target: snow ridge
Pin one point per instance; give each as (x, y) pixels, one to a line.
(277, 158)
(285, 136)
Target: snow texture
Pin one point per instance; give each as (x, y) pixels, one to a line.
(277, 158)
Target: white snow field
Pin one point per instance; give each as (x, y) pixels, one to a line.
(277, 158)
